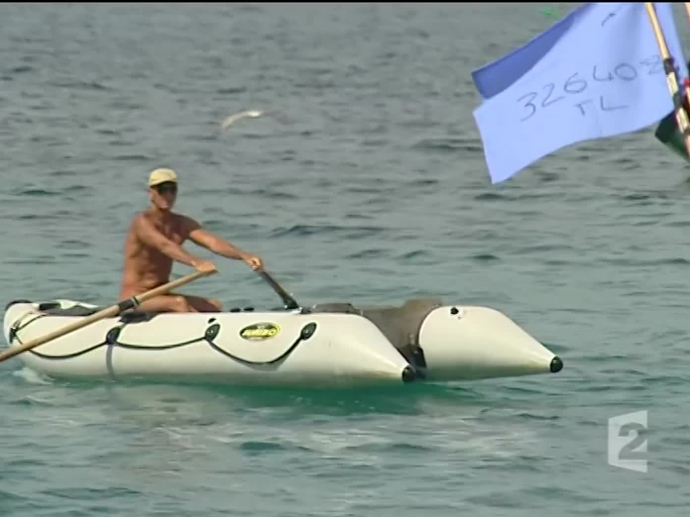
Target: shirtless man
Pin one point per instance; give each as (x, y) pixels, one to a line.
(154, 241)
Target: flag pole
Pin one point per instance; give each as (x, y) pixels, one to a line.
(671, 77)
(686, 83)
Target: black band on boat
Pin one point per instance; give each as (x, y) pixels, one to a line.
(68, 356)
(128, 304)
(111, 340)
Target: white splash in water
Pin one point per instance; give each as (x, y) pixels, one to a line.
(32, 376)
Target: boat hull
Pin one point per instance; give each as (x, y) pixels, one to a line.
(326, 345)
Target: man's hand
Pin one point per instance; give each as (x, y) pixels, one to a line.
(254, 262)
(205, 266)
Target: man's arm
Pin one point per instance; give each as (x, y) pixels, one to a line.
(148, 233)
(212, 242)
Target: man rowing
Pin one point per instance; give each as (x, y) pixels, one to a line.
(154, 241)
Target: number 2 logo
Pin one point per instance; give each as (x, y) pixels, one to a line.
(627, 440)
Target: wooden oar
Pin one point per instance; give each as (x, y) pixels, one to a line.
(288, 300)
(111, 311)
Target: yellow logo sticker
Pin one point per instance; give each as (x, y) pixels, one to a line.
(259, 331)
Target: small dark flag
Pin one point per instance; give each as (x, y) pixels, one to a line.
(668, 133)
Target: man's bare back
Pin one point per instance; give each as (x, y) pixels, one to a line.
(154, 241)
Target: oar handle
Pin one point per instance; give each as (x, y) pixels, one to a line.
(111, 311)
(288, 300)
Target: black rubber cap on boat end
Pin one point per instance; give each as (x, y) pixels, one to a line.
(408, 374)
(556, 365)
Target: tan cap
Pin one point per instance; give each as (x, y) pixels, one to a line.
(159, 176)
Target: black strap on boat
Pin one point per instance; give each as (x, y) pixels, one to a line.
(112, 340)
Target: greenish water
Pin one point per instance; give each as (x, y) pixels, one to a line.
(363, 181)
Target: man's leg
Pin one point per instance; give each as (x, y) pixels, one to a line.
(199, 304)
(165, 303)
(180, 303)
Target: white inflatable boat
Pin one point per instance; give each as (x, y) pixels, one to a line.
(323, 345)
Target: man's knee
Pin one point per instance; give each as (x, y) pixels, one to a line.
(180, 304)
(199, 304)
